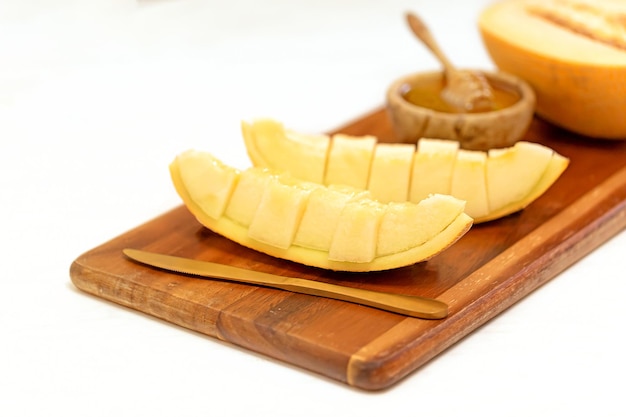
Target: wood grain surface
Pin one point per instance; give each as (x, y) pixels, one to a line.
(489, 269)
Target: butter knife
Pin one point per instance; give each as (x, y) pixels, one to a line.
(413, 306)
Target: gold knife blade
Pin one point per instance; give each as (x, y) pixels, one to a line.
(413, 306)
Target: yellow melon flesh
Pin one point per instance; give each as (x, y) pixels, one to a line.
(282, 203)
(246, 196)
(553, 171)
(390, 174)
(419, 221)
(512, 173)
(210, 184)
(324, 203)
(356, 235)
(353, 152)
(469, 182)
(285, 147)
(361, 234)
(493, 184)
(572, 53)
(432, 168)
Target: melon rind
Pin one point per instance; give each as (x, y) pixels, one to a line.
(456, 225)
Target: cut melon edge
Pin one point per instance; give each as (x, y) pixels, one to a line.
(238, 233)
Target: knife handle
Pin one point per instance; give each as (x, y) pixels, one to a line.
(409, 305)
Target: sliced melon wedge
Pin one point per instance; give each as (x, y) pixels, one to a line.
(494, 184)
(353, 233)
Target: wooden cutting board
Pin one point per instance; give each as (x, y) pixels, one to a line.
(489, 269)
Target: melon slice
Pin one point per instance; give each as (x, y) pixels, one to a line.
(210, 185)
(324, 203)
(247, 195)
(553, 171)
(512, 173)
(420, 222)
(390, 174)
(494, 183)
(282, 203)
(469, 182)
(356, 235)
(285, 147)
(362, 236)
(432, 168)
(353, 152)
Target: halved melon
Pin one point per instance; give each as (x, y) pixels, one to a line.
(494, 183)
(571, 52)
(337, 227)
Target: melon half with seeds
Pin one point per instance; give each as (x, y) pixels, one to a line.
(573, 55)
(331, 227)
(494, 184)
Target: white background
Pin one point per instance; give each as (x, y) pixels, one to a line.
(97, 97)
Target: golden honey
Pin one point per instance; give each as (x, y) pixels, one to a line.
(426, 92)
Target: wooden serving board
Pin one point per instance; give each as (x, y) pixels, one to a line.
(489, 269)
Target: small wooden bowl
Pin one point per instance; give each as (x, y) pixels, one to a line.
(475, 131)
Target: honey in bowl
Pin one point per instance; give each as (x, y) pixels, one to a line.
(497, 128)
(426, 92)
